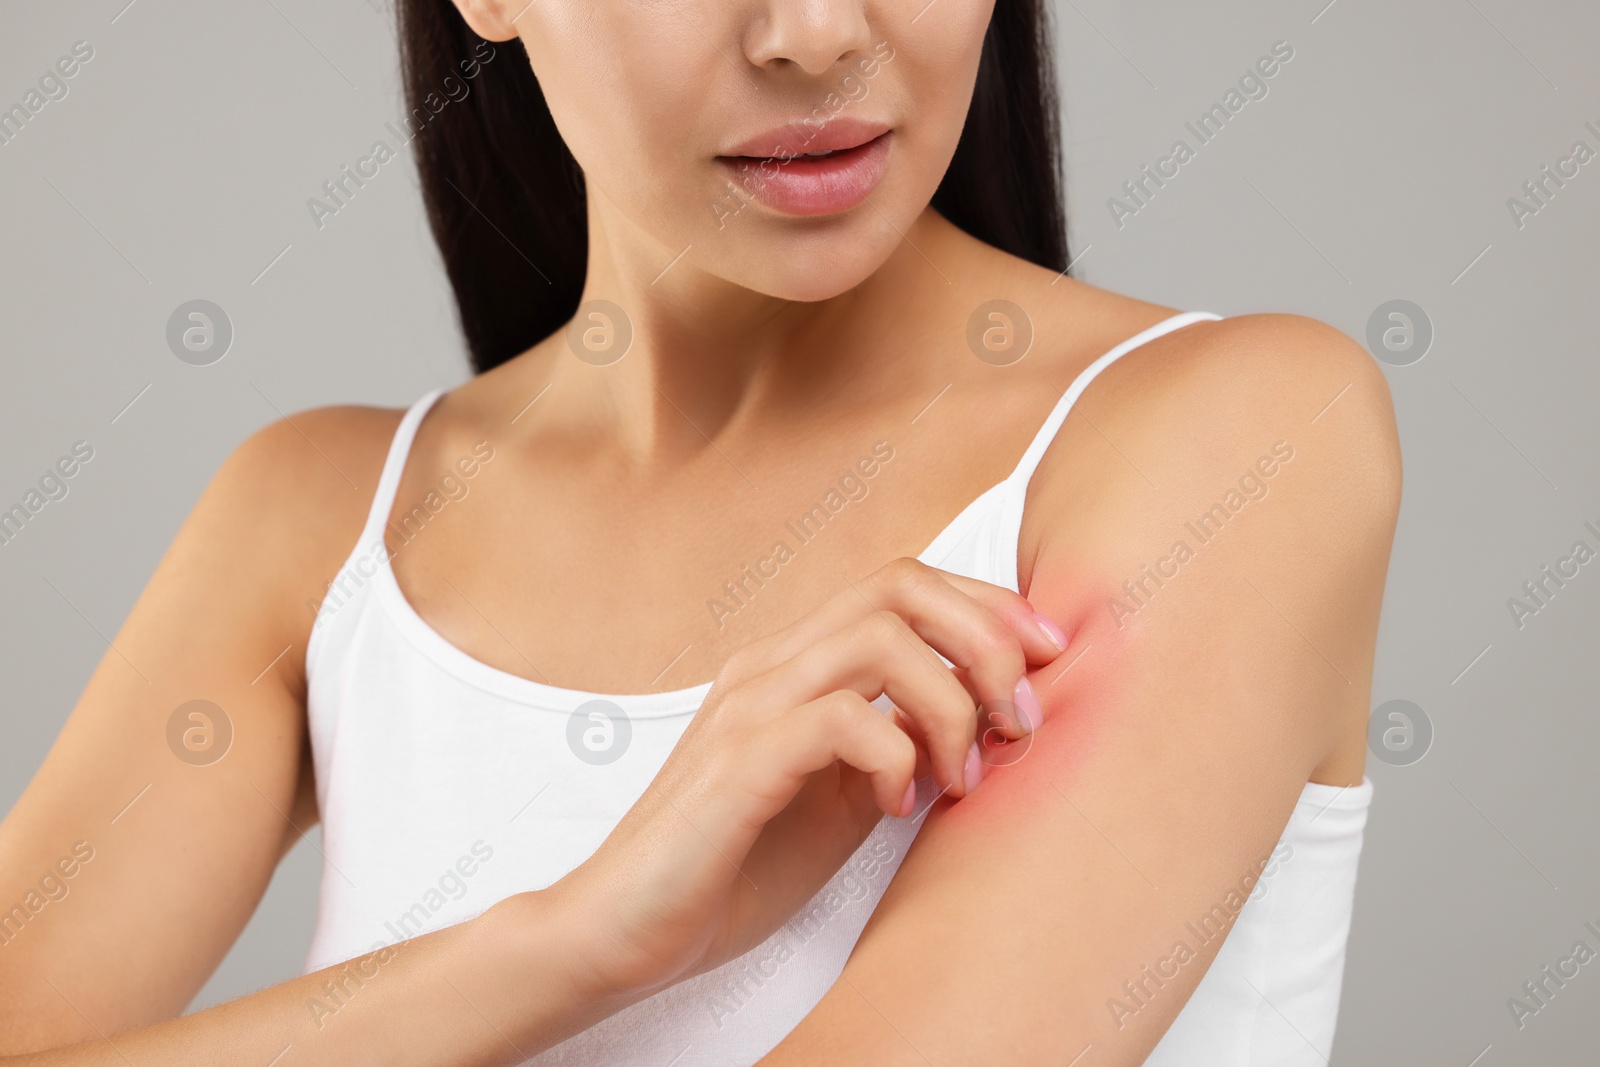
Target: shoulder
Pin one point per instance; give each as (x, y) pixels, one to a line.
(1238, 379)
(313, 471)
(1212, 531)
(312, 443)
(1272, 364)
(291, 499)
(1186, 416)
(1266, 363)
(1195, 480)
(1231, 487)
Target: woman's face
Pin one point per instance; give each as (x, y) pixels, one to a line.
(692, 120)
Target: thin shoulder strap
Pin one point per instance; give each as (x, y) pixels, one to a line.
(1014, 493)
(1058, 415)
(395, 464)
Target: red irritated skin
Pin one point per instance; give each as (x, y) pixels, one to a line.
(1176, 739)
(1076, 691)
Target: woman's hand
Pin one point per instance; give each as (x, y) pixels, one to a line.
(787, 766)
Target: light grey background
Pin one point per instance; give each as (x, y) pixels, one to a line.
(1378, 167)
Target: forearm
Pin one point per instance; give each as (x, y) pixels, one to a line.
(494, 990)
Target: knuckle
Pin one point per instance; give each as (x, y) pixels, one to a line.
(724, 685)
(900, 755)
(728, 703)
(738, 664)
(886, 625)
(729, 674)
(905, 567)
(840, 709)
(945, 713)
(837, 703)
(902, 573)
(996, 646)
(745, 663)
(1012, 599)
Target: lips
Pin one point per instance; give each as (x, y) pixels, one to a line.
(811, 170)
(803, 136)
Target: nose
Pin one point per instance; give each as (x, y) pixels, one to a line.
(812, 35)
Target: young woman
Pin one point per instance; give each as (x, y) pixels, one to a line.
(804, 527)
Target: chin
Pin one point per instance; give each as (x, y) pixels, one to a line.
(810, 267)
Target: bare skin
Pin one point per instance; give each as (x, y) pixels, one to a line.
(626, 495)
(763, 469)
(783, 771)
(1238, 385)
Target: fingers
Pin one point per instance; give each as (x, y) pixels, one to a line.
(940, 606)
(991, 633)
(844, 726)
(950, 652)
(882, 654)
(913, 731)
(787, 748)
(1041, 638)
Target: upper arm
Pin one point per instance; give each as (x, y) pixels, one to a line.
(149, 843)
(1177, 737)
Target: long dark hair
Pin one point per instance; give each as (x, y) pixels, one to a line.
(506, 202)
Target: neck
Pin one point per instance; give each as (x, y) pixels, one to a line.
(705, 354)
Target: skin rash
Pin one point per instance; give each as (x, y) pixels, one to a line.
(1077, 690)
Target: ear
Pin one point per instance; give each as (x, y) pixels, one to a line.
(491, 19)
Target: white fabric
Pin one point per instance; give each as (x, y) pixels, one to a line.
(446, 785)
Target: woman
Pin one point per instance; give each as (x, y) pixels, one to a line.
(1091, 690)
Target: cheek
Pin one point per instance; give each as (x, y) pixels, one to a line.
(644, 92)
(625, 84)
(930, 79)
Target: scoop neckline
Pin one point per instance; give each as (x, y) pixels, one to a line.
(426, 639)
(686, 700)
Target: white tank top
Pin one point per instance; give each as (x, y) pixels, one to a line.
(446, 784)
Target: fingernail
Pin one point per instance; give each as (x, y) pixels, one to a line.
(972, 773)
(1029, 713)
(1052, 632)
(909, 801)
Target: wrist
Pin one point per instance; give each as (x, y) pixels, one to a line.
(545, 938)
